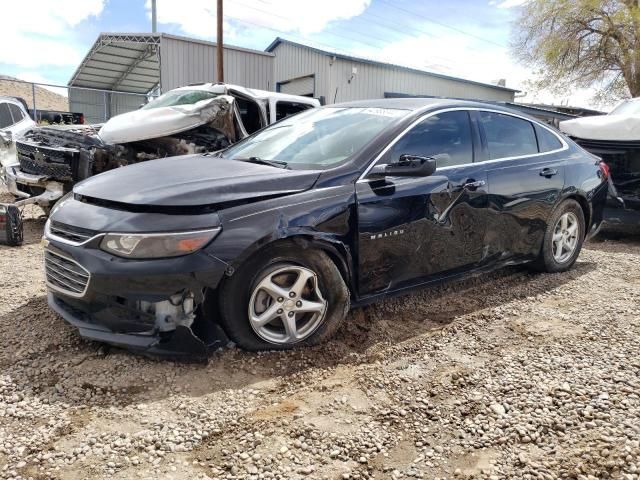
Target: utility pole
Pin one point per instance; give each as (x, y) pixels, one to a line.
(154, 17)
(219, 50)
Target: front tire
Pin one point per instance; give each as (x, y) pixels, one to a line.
(563, 238)
(282, 297)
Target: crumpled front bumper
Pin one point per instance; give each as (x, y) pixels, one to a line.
(181, 344)
(16, 180)
(106, 311)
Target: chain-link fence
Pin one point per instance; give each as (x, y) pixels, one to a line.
(48, 103)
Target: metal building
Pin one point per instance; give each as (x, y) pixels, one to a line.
(304, 70)
(123, 67)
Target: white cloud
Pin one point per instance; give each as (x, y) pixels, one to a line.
(463, 56)
(452, 54)
(198, 17)
(36, 33)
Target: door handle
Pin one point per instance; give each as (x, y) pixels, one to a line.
(472, 185)
(548, 172)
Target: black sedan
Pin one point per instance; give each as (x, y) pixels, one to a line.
(275, 238)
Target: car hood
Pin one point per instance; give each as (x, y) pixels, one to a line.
(145, 124)
(193, 181)
(604, 127)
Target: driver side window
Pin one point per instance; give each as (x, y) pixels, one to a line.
(447, 135)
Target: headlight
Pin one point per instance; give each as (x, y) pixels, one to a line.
(156, 245)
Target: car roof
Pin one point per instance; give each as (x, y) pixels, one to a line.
(15, 100)
(422, 103)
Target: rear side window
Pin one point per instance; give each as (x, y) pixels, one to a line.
(284, 109)
(508, 136)
(547, 141)
(16, 113)
(5, 115)
(447, 135)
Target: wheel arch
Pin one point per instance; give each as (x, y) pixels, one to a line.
(337, 251)
(586, 209)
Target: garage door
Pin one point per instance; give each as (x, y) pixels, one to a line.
(299, 86)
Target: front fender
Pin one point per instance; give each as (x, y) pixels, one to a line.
(323, 218)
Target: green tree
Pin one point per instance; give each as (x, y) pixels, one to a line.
(581, 43)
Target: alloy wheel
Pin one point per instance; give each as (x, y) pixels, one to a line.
(565, 237)
(287, 306)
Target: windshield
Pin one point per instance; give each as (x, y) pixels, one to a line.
(318, 138)
(180, 97)
(628, 107)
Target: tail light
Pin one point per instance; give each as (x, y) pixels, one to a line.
(604, 168)
(81, 119)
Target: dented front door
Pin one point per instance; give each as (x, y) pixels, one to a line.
(414, 230)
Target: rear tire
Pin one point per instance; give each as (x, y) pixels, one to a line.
(283, 297)
(563, 239)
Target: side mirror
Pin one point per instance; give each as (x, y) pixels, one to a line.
(407, 166)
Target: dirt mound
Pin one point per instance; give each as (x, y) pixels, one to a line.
(45, 99)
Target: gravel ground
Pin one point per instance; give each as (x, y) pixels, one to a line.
(511, 375)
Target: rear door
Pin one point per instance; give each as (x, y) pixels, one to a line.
(525, 169)
(414, 229)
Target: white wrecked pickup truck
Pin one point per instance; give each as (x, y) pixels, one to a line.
(616, 139)
(193, 119)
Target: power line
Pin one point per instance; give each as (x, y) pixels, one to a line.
(383, 42)
(279, 32)
(351, 39)
(377, 39)
(456, 29)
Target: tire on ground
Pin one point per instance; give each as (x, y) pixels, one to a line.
(236, 291)
(546, 261)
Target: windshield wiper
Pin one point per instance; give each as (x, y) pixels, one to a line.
(262, 161)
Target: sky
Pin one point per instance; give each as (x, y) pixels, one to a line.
(46, 39)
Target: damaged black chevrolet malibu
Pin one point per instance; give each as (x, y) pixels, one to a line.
(275, 238)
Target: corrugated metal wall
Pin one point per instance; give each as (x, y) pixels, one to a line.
(125, 103)
(88, 102)
(186, 61)
(100, 106)
(371, 81)
(294, 62)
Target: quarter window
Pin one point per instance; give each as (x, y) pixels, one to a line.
(5, 115)
(284, 109)
(547, 141)
(508, 136)
(446, 135)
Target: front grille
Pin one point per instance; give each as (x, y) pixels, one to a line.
(70, 233)
(59, 171)
(65, 275)
(51, 162)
